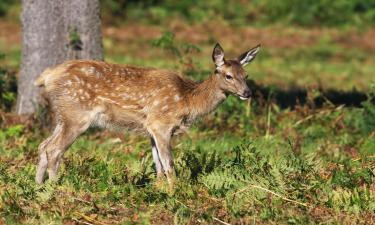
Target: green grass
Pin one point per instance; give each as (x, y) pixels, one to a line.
(312, 171)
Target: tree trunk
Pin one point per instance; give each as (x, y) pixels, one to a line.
(54, 31)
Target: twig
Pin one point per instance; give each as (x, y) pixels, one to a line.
(87, 223)
(89, 218)
(268, 121)
(248, 108)
(322, 112)
(81, 200)
(271, 192)
(185, 205)
(213, 199)
(303, 120)
(370, 156)
(220, 221)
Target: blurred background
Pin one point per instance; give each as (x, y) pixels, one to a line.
(308, 132)
(305, 43)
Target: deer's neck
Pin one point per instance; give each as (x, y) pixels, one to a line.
(205, 97)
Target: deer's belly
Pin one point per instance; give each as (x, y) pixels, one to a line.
(125, 120)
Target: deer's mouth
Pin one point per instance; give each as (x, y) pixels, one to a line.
(243, 97)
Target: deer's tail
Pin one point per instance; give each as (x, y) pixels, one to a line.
(41, 80)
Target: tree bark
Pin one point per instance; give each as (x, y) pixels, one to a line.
(54, 31)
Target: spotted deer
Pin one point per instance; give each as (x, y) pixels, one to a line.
(160, 103)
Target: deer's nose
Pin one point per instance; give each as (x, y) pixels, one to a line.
(247, 93)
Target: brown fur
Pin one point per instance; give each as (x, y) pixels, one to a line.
(85, 93)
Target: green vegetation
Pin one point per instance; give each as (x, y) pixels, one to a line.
(8, 88)
(255, 12)
(260, 12)
(4, 6)
(299, 167)
(294, 154)
(317, 12)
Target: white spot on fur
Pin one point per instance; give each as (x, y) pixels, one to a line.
(68, 83)
(107, 100)
(84, 70)
(124, 96)
(91, 69)
(98, 74)
(128, 106)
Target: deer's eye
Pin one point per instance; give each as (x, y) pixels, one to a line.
(228, 77)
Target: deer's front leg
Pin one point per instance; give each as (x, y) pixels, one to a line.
(162, 138)
(156, 158)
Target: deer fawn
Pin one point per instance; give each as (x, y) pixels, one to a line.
(85, 93)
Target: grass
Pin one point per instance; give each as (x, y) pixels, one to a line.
(312, 171)
(248, 162)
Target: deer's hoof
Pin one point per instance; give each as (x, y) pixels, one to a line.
(166, 185)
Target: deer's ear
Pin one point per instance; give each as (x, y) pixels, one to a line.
(218, 55)
(248, 56)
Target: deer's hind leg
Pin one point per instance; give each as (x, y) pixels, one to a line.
(53, 148)
(43, 161)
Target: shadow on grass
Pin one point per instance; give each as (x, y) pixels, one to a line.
(293, 96)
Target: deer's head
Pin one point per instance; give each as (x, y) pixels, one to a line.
(231, 73)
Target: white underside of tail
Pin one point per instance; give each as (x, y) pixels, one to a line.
(41, 80)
